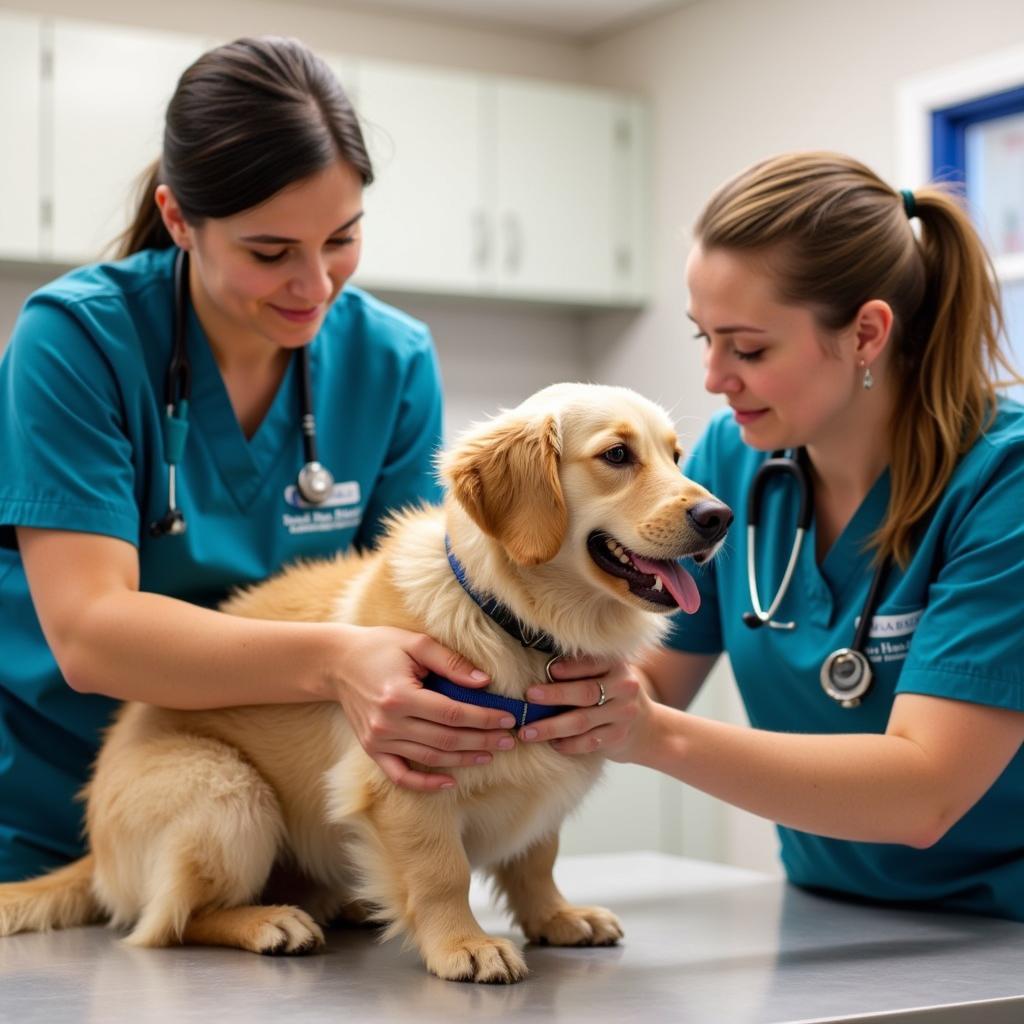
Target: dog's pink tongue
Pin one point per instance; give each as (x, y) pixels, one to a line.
(676, 580)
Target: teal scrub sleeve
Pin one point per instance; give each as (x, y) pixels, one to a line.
(65, 457)
(969, 642)
(700, 633)
(408, 475)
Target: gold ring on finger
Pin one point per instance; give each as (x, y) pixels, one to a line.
(603, 697)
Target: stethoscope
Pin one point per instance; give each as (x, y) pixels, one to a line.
(846, 674)
(315, 482)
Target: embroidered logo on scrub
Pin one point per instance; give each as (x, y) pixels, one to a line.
(893, 634)
(340, 511)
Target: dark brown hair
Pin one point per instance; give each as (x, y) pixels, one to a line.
(836, 236)
(246, 120)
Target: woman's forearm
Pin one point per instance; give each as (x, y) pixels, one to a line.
(862, 787)
(140, 646)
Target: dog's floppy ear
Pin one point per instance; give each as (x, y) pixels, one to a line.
(505, 475)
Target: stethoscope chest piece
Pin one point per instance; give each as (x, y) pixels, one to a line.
(846, 675)
(315, 483)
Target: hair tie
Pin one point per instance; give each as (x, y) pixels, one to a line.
(909, 203)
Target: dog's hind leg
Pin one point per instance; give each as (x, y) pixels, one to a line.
(543, 913)
(211, 874)
(204, 899)
(185, 846)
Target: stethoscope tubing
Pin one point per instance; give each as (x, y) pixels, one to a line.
(767, 618)
(314, 482)
(778, 464)
(846, 674)
(308, 419)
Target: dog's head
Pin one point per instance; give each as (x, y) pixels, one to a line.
(587, 477)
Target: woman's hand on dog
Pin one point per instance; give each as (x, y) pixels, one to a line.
(614, 727)
(397, 721)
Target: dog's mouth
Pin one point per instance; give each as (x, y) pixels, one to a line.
(661, 582)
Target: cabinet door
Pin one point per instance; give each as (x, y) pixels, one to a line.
(556, 186)
(631, 194)
(424, 227)
(20, 70)
(110, 92)
(346, 70)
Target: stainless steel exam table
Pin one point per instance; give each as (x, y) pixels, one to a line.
(704, 943)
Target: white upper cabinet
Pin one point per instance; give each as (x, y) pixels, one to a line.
(20, 64)
(111, 87)
(570, 193)
(498, 187)
(425, 226)
(485, 186)
(556, 190)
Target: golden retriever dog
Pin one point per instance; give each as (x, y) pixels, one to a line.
(571, 511)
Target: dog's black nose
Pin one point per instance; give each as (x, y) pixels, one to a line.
(710, 519)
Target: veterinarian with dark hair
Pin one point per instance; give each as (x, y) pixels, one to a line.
(256, 207)
(858, 329)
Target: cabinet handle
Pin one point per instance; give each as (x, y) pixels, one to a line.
(513, 243)
(481, 240)
(623, 261)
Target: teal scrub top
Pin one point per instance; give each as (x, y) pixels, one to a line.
(951, 625)
(82, 448)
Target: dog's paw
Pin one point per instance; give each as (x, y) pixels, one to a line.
(284, 931)
(487, 960)
(578, 926)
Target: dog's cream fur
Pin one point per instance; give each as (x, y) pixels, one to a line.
(190, 811)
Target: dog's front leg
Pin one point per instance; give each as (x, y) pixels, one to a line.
(423, 876)
(542, 911)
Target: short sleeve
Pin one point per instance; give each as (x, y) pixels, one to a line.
(408, 475)
(65, 457)
(701, 632)
(969, 642)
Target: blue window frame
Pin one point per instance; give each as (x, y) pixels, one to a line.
(995, 190)
(950, 124)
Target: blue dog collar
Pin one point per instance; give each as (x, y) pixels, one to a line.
(523, 711)
(498, 613)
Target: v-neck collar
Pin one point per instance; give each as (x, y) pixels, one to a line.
(827, 585)
(844, 563)
(243, 463)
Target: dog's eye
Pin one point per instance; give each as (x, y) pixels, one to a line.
(618, 455)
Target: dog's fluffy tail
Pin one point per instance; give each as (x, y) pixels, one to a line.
(60, 899)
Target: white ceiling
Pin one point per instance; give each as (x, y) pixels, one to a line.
(569, 18)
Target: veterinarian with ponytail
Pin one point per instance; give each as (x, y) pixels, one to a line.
(854, 331)
(189, 419)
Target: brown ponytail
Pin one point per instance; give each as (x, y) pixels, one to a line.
(951, 362)
(839, 236)
(147, 229)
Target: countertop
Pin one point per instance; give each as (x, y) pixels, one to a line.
(704, 943)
